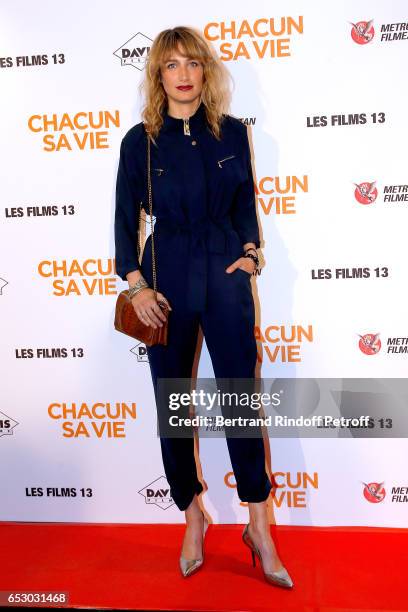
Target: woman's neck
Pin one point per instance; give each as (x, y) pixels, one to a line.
(182, 111)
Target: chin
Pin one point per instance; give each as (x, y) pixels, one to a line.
(182, 97)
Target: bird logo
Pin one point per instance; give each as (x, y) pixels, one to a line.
(374, 492)
(362, 32)
(365, 193)
(369, 344)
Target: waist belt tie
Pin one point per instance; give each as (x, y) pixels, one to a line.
(194, 241)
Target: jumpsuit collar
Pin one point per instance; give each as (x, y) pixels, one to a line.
(185, 126)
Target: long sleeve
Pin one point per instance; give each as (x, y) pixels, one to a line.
(243, 215)
(126, 225)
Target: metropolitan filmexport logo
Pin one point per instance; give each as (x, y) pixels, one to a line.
(362, 32)
(374, 492)
(365, 193)
(369, 344)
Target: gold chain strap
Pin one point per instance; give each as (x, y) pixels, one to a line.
(149, 184)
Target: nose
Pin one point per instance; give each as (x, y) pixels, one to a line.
(183, 73)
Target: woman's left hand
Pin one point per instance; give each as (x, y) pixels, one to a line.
(245, 263)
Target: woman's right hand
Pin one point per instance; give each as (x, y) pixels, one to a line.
(147, 308)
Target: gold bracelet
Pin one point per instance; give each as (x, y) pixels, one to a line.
(141, 284)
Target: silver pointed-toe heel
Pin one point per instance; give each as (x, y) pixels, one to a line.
(189, 566)
(280, 577)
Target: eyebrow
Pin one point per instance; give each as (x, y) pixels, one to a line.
(173, 59)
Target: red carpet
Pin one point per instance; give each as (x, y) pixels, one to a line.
(136, 567)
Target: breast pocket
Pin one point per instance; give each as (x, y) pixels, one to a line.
(232, 168)
(158, 171)
(159, 176)
(161, 186)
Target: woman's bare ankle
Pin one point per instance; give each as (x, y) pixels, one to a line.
(193, 513)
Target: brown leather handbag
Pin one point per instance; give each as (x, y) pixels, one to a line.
(126, 319)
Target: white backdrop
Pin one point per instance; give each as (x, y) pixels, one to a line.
(57, 205)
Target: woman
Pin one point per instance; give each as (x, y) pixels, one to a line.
(205, 240)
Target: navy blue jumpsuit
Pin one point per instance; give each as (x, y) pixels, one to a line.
(204, 210)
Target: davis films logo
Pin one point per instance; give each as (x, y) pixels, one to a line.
(140, 351)
(158, 492)
(7, 425)
(3, 283)
(134, 52)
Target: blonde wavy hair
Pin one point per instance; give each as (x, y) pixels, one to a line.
(215, 95)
